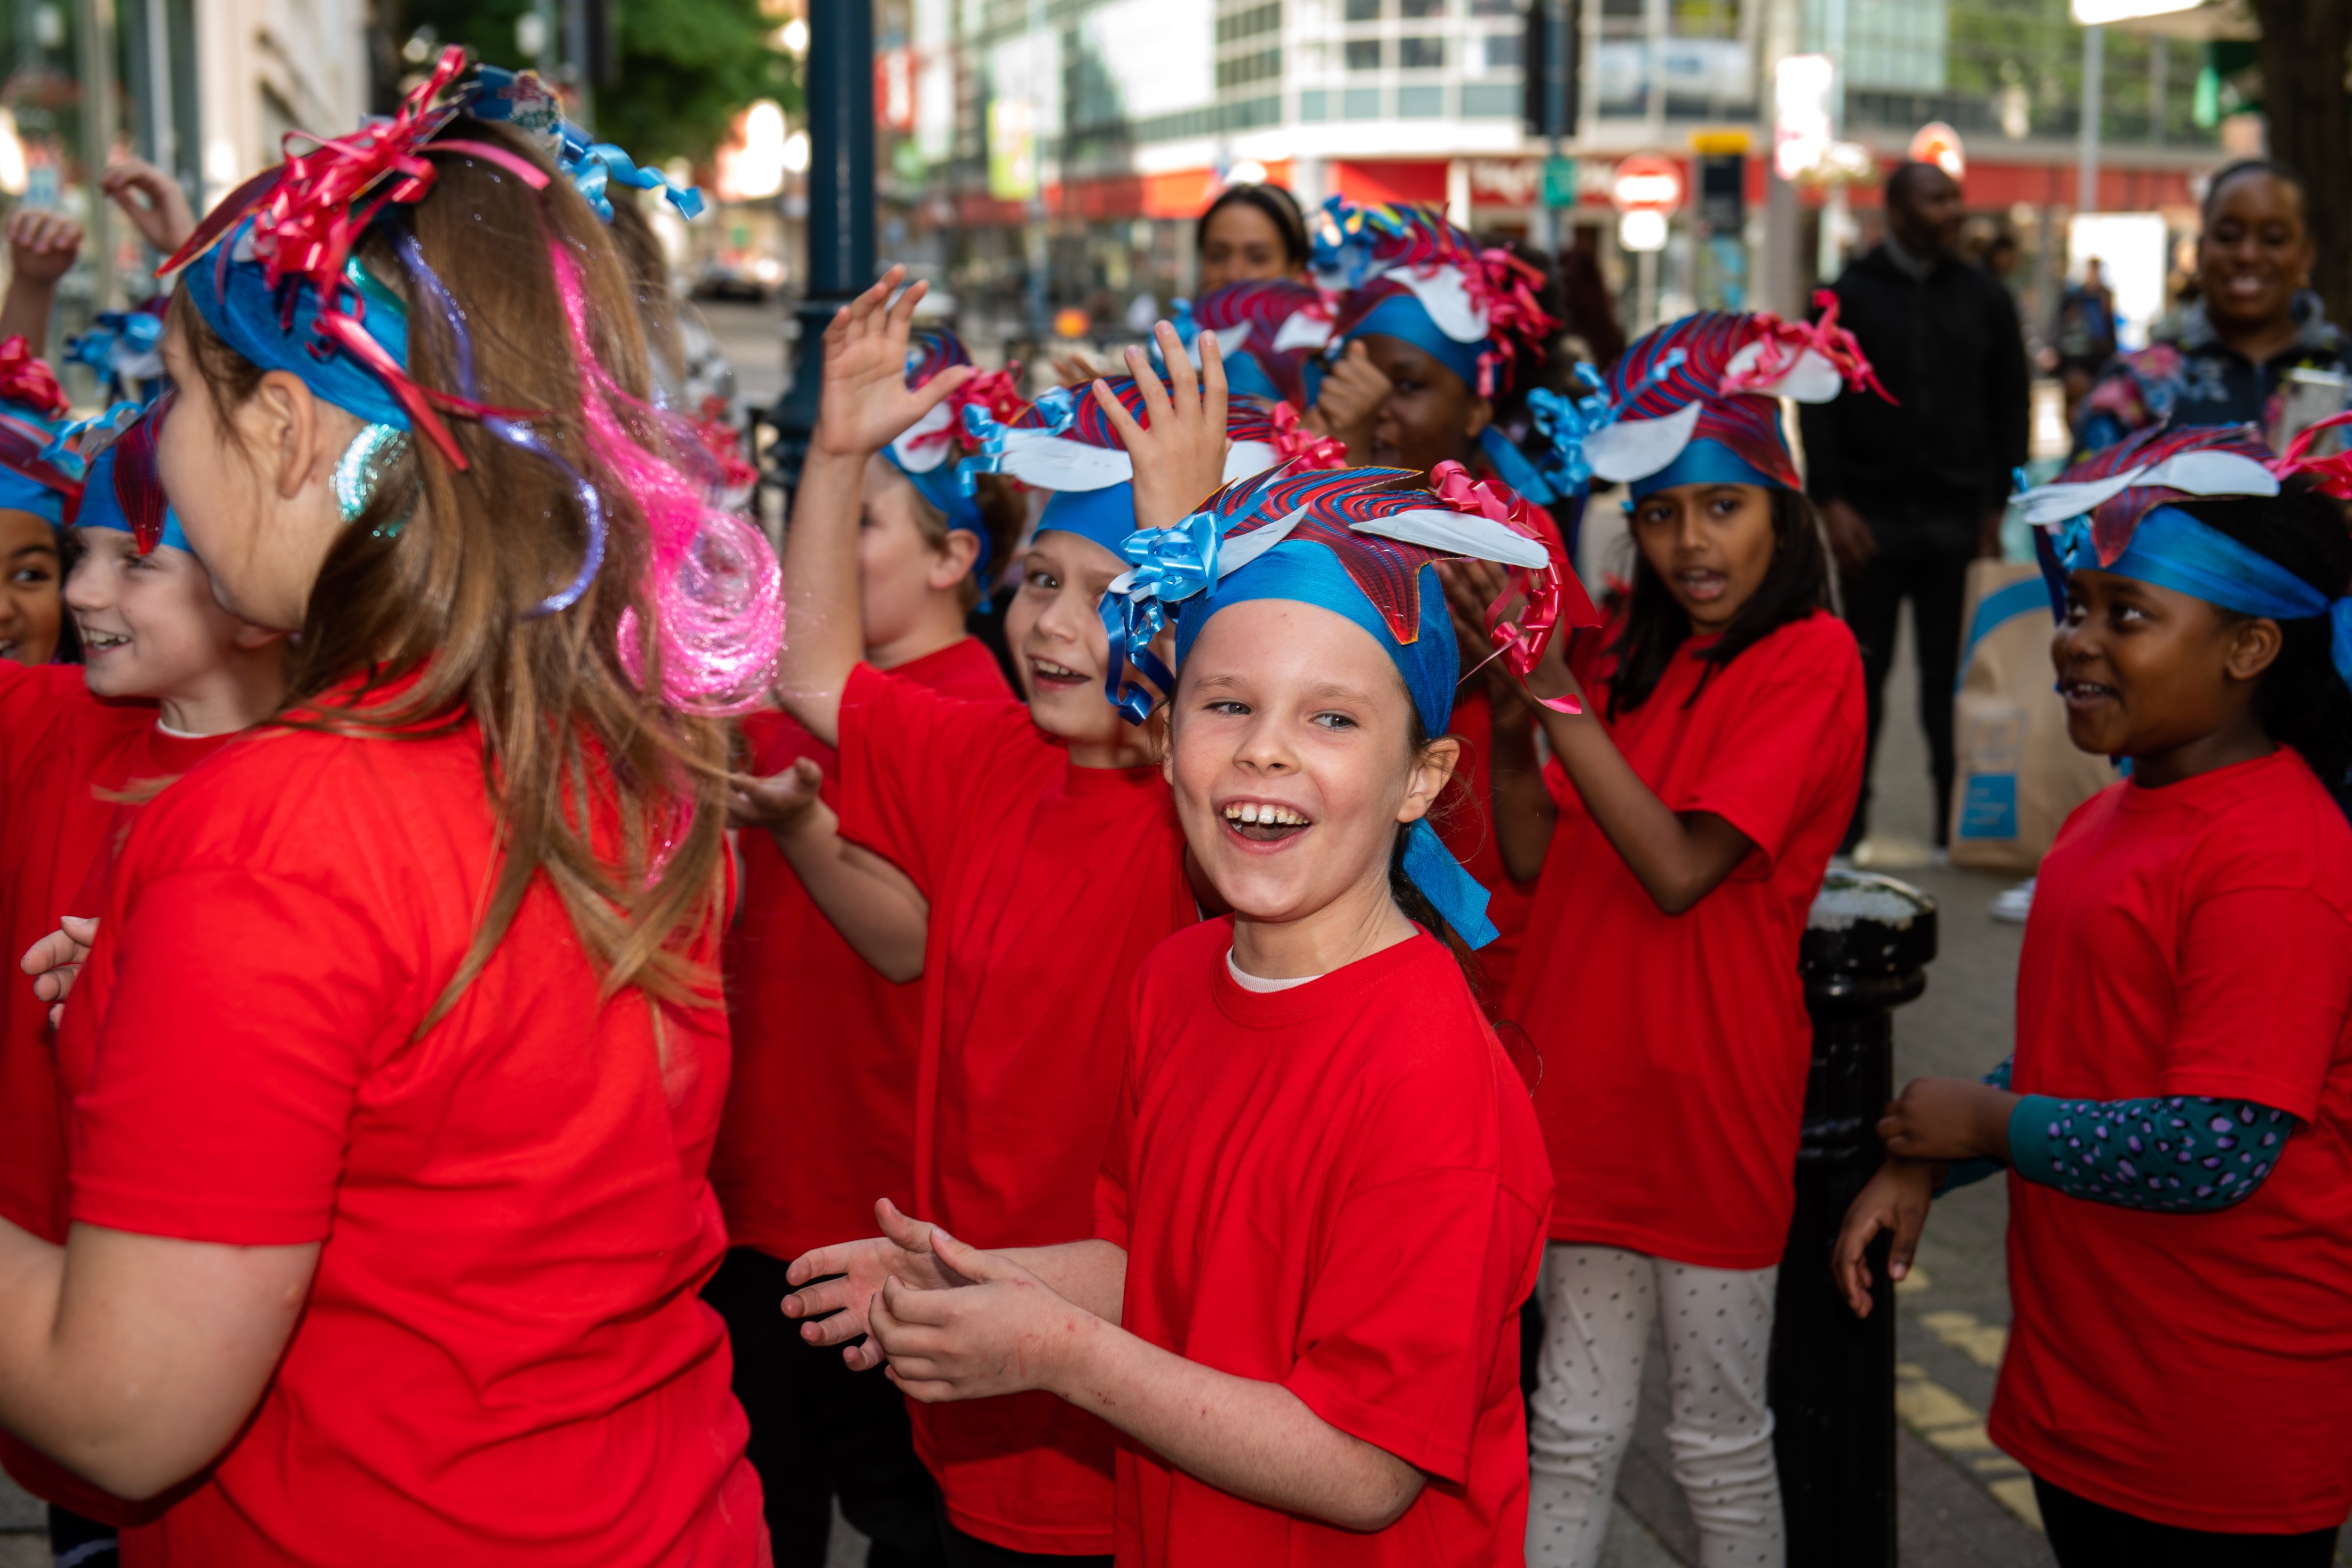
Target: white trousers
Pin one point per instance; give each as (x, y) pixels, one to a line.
(1599, 1302)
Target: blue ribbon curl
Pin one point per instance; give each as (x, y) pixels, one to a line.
(1166, 566)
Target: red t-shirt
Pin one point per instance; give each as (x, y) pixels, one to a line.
(1048, 883)
(68, 762)
(1675, 1047)
(1466, 821)
(1341, 1188)
(2193, 1369)
(820, 1117)
(504, 1340)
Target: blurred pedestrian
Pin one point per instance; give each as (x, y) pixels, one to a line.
(2175, 1118)
(1250, 230)
(2084, 332)
(1912, 491)
(2224, 357)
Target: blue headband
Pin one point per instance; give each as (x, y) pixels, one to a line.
(1703, 462)
(1308, 573)
(19, 494)
(237, 304)
(1106, 516)
(1403, 317)
(939, 486)
(103, 508)
(2171, 549)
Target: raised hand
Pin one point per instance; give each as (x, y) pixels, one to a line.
(55, 961)
(866, 404)
(1896, 1201)
(777, 802)
(1008, 1333)
(152, 201)
(1948, 1119)
(42, 245)
(1180, 457)
(836, 1287)
(1349, 402)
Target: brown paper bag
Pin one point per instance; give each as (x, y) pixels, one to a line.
(2020, 777)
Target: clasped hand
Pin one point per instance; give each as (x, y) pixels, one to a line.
(951, 1322)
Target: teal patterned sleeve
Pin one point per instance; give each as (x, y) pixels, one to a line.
(1967, 1172)
(2177, 1153)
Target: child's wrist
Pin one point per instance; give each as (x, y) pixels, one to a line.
(1074, 1354)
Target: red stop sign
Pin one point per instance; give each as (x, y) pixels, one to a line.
(1646, 182)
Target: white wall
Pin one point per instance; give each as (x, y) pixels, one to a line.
(267, 66)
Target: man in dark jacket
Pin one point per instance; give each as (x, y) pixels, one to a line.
(1912, 491)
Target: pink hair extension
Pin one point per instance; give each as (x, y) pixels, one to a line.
(716, 591)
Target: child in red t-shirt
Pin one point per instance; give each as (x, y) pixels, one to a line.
(1322, 1200)
(395, 1064)
(1038, 839)
(1712, 764)
(826, 1043)
(2174, 1120)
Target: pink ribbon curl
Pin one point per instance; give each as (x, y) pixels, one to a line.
(1553, 594)
(2332, 472)
(26, 378)
(1783, 342)
(1303, 449)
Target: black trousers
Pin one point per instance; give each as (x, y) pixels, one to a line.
(2085, 1534)
(971, 1552)
(821, 1431)
(1923, 556)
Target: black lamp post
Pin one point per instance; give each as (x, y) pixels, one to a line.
(839, 73)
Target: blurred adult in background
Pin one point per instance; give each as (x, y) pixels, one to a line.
(1251, 232)
(2084, 332)
(2224, 357)
(1912, 490)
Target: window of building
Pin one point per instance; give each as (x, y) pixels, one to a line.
(1363, 54)
(1413, 10)
(1421, 54)
(1501, 51)
(1363, 10)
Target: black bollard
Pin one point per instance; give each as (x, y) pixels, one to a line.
(1865, 950)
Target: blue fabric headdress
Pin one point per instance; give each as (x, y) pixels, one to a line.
(923, 452)
(2113, 512)
(125, 348)
(1411, 274)
(1352, 542)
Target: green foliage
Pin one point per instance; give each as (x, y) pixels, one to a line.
(687, 67)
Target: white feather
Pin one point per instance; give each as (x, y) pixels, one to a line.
(1050, 463)
(1228, 343)
(1637, 449)
(922, 459)
(1246, 459)
(1458, 533)
(2214, 473)
(1811, 379)
(1442, 294)
(2046, 505)
(1300, 331)
(1234, 554)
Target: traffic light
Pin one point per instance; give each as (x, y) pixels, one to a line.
(1547, 59)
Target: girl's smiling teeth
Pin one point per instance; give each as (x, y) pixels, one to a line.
(96, 641)
(1703, 583)
(1047, 670)
(2083, 694)
(1262, 821)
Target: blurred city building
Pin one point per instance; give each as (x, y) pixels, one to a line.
(1083, 134)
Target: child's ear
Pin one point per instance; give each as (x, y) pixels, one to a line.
(1432, 770)
(250, 637)
(1476, 417)
(956, 556)
(2255, 646)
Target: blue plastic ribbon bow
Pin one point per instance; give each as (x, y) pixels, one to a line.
(1167, 566)
(990, 434)
(592, 166)
(1566, 424)
(63, 452)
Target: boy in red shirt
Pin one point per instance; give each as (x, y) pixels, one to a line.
(1322, 1202)
(2174, 1119)
(1711, 768)
(1039, 837)
(821, 1107)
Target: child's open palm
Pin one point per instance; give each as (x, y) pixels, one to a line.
(836, 1286)
(1180, 454)
(865, 402)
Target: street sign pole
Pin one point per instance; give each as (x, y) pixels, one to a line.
(840, 80)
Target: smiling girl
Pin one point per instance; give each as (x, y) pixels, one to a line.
(1714, 759)
(169, 677)
(2174, 1120)
(397, 1060)
(1040, 837)
(1322, 1200)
